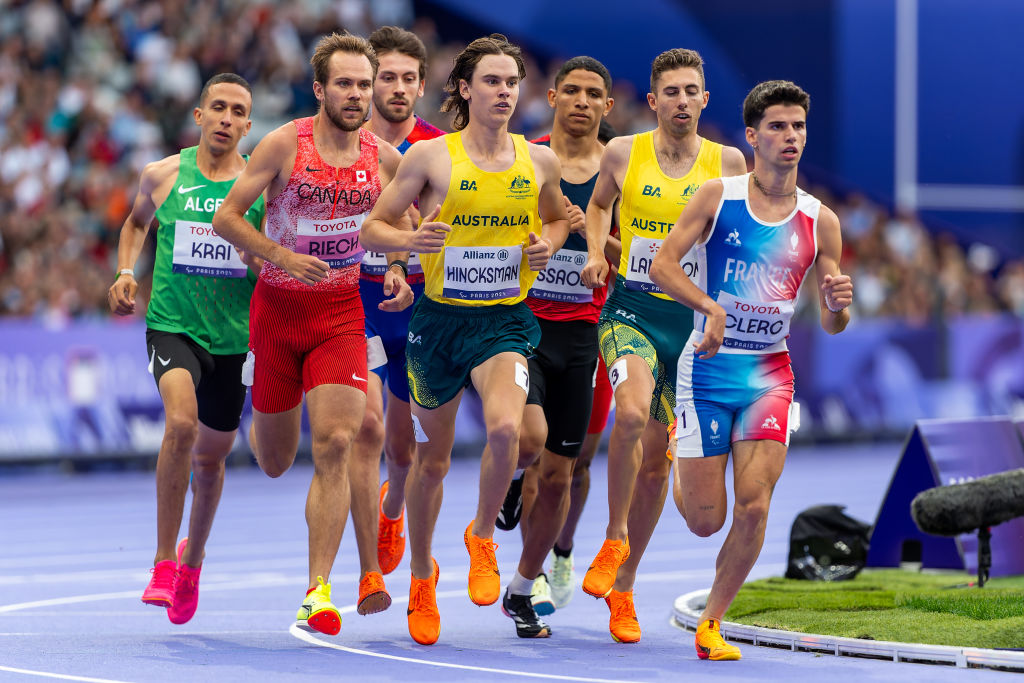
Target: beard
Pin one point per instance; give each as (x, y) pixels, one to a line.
(381, 107)
(336, 116)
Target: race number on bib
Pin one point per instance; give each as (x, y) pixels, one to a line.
(335, 241)
(754, 325)
(561, 280)
(482, 273)
(198, 250)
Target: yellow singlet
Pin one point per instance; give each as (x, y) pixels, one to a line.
(651, 203)
(483, 262)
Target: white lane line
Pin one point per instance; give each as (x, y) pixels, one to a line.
(65, 677)
(313, 640)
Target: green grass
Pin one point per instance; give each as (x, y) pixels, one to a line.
(890, 605)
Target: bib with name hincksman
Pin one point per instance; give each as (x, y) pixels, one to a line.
(491, 214)
(651, 203)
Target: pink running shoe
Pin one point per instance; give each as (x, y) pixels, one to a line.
(160, 591)
(186, 589)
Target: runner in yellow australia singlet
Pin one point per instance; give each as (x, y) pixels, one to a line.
(491, 215)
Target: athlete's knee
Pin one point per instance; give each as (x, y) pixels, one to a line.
(332, 447)
(181, 431)
(432, 470)
(631, 419)
(703, 523)
(751, 513)
(555, 479)
(654, 471)
(208, 465)
(531, 443)
(399, 454)
(503, 434)
(371, 432)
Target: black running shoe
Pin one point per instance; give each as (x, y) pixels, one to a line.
(520, 610)
(512, 508)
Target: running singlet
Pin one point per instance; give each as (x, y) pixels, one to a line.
(375, 263)
(754, 269)
(483, 262)
(321, 210)
(651, 203)
(200, 286)
(559, 293)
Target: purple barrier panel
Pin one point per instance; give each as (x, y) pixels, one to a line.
(940, 453)
(988, 352)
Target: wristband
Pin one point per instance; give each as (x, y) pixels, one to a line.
(828, 305)
(124, 271)
(401, 264)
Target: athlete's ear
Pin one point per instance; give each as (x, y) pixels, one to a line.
(318, 91)
(464, 89)
(248, 127)
(421, 89)
(707, 96)
(608, 105)
(652, 101)
(197, 115)
(551, 97)
(751, 135)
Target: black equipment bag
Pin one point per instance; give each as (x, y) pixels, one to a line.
(826, 544)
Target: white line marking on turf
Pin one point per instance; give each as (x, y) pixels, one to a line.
(66, 677)
(313, 640)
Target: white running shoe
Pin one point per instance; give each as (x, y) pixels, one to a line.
(540, 596)
(562, 580)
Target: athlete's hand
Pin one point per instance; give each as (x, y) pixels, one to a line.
(538, 251)
(838, 292)
(577, 219)
(395, 284)
(595, 272)
(429, 237)
(255, 263)
(714, 333)
(121, 295)
(306, 269)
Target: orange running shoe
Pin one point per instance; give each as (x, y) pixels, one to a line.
(424, 619)
(601, 575)
(373, 595)
(623, 623)
(711, 645)
(484, 577)
(390, 536)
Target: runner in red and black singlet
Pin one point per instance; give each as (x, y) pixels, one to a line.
(322, 176)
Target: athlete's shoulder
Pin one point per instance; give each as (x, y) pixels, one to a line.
(733, 161)
(616, 152)
(156, 173)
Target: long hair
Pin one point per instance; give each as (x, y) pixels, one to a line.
(465, 65)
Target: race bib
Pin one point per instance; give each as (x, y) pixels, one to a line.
(376, 263)
(198, 250)
(754, 325)
(561, 279)
(335, 241)
(482, 273)
(642, 251)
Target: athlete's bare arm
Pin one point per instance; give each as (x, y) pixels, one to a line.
(394, 278)
(693, 224)
(271, 161)
(554, 221)
(607, 189)
(835, 290)
(382, 231)
(733, 162)
(154, 186)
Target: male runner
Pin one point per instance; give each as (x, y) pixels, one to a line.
(642, 330)
(378, 520)
(322, 174)
(564, 366)
(498, 217)
(196, 328)
(757, 235)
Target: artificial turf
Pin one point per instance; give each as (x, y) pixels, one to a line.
(891, 604)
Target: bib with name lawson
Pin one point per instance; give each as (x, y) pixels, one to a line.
(562, 279)
(333, 240)
(482, 273)
(198, 250)
(754, 325)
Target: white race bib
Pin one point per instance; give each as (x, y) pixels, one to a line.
(642, 251)
(198, 250)
(754, 325)
(561, 279)
(335, 241)
(482, 273)
(376, 263)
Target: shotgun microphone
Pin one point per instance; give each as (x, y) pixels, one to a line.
(961, 508)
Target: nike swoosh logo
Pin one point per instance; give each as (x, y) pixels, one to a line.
(185, 190)
(165, 362)
(357, 378)
(573, 443)
(312, 170)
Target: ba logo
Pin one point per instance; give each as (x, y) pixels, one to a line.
(651, 191)
(519, 184)
(503, 254)
(624, 315)
(467, 185)
(415, 338)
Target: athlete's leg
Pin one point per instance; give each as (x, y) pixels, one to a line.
(181, 429)
(364, 476)
(503, 398)
(531, 443)
(547, 514)
(274, 439)
(578, 490)
(208, 456)
(423, 491)
(632, 410)
(699, 492)
(648, 500)
(399, 449)
(333, 432)
(757, 467)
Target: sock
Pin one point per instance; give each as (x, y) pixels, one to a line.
(561, 553)
(520, 585)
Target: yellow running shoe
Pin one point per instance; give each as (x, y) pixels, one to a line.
(424, 619)
(600, 576)
(317, 614)
(711, 645)
(484, 577)
(390, 536)
(623, 623)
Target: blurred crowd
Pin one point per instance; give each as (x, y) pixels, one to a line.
(92, 90)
